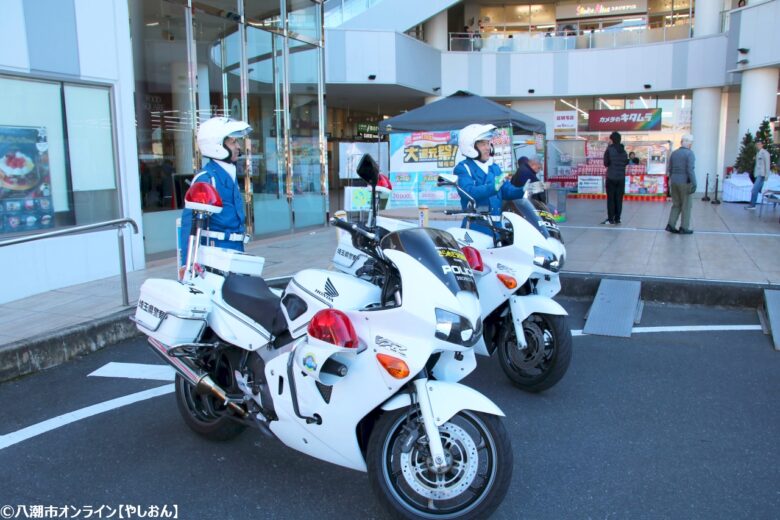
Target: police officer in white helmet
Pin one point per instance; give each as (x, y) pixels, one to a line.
(218, 140)
(478, 175)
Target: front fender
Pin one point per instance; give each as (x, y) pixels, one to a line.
(447, 399)
(524, 306)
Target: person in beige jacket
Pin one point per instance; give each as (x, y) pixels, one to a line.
(760, 172)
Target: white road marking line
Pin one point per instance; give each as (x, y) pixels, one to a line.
(682, 328)
(51, 424)
(136, 371)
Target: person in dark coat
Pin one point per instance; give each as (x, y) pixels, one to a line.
(525, 173)
(615, 159)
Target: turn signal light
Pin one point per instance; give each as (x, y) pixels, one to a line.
(394, 366)
(508, 281)
(474, 258)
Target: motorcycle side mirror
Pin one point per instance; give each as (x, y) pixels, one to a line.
(368, 170)
(446, 179)
(202, 197)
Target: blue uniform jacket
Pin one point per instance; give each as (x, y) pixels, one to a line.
(482, 186)
(229, 220)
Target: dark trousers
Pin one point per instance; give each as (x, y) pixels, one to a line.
(615, 191)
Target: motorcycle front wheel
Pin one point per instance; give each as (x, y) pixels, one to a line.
(479, 466)
(546, 358)
(203, 414)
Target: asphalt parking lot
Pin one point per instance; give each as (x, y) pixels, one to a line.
(677, 424)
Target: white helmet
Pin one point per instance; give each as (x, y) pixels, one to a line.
(212, 135)
(470, 135)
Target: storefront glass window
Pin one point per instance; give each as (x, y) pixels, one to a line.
(266, 80)
(57, 165)
(308, 199)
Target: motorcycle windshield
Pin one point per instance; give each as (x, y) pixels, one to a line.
(438, 252)
(526, 210)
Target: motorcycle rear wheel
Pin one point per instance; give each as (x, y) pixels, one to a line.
(480, 458)
(546, 358)
(203, 414)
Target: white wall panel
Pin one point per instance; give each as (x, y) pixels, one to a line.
(97, 37)
(759, 32)
(13, 53)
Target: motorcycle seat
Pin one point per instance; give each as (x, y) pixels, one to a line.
(251, 296)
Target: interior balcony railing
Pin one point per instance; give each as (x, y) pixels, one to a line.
(566, 41)
(339, 11)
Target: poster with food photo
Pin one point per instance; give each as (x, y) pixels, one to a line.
(25, 192)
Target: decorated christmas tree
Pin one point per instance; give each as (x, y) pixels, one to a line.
(746, 158)
(765, 134)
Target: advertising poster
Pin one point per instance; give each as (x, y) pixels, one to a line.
(590, 184)
(646, 184)
(416, 158)
(404, 194)
(25, 183)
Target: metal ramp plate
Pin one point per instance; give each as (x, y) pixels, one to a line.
(614, 308)
(772, 302)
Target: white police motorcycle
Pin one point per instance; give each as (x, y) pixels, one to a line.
(358, 374)
(517, 277)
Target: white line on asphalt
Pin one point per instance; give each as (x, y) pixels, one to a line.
(10, 439)
(136, 371)
(682, 328)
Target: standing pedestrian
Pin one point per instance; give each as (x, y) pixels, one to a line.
(760, 172)
(615, 159)
(682, 184)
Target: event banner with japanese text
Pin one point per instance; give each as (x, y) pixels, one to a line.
(416, 159)
(624, 120)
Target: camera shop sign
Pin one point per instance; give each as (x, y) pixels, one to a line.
(638, 120)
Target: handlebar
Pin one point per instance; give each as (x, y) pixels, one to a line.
(352, 228)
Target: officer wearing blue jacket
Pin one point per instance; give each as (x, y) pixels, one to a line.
(218, 141)
(478, 175)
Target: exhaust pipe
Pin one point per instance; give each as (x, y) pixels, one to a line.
(196, 377)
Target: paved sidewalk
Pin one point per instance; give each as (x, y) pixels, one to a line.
(729, 244)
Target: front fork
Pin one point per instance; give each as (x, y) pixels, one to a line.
(516, 312)
(429, 423)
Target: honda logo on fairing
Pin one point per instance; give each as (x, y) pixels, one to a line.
(330, 290)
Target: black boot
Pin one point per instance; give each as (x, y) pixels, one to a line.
(670, 229)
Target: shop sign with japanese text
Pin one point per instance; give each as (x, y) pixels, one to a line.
(638, 120)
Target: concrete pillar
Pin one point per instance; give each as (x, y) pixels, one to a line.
(435, 31)
(542, 109)
(757, 98)
(706, 19)
(705, 127)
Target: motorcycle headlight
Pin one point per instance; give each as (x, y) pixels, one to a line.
(456, 329)
(546, 259)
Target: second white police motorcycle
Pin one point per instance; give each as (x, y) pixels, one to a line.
(517, 277)
(356, 374)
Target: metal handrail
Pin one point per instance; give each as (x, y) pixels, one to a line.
(118, 224)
